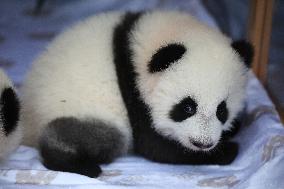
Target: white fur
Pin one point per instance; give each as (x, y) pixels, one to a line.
(210, 72)
(76, 77)
(8, 143)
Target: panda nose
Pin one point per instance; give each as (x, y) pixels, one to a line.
(202, 145)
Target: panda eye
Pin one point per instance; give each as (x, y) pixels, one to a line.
(222, 112)
(189, 110)
(183, 110)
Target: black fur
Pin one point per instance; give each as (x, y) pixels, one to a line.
(222, 112)
(183, 110)
(9, 112)
(245, 50)
(236, 125)
(126, 75)
(201, 144)
(166, 56)
(147, 142)
(73, 145)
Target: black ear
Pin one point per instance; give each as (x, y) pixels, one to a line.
(166, 56)
(245, 50)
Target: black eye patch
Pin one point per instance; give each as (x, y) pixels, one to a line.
(222, 112)
(183, 110)
(166, 56)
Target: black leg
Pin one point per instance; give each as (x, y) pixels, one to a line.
(72, 145)
(162, 150)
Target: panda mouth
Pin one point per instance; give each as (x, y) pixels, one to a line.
(201, 145)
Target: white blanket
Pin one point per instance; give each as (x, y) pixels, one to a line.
(259, 165)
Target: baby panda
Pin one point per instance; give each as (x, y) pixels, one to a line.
(160, 83)
(10, 132)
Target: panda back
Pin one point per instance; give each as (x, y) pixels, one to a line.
(75, 77)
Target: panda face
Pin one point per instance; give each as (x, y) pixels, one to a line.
(188, 108)
(196, 91)
(205, 138)
(197, 119)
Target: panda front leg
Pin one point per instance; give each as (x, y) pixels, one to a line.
(72, 145)
(159, 149)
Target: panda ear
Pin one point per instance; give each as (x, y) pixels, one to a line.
(165, 57)
(245, 50)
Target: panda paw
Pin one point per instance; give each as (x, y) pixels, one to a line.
(227, 153)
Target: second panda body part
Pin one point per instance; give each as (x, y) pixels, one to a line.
(10, 130)
(119, 80)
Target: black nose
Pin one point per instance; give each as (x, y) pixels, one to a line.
(202, 145)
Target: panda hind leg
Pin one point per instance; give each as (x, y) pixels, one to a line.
(72, 145)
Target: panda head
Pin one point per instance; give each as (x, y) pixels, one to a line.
(195, 87)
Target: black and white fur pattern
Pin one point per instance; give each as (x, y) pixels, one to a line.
(10, 132)
(161, 82)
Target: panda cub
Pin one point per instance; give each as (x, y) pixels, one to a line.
(10, 132)
(160, 83)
